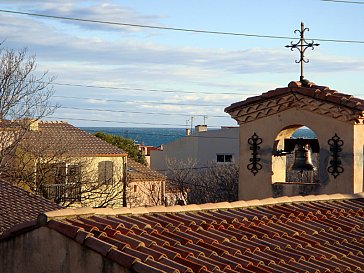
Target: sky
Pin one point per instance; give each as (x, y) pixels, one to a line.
(109, 75)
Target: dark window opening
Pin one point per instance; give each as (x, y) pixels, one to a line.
(224, 158)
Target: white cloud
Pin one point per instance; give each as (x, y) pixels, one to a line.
(91, 57)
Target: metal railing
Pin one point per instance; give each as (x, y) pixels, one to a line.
(62, 192)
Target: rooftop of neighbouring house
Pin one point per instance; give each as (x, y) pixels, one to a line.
(308, 89)
(139, 172)
(323, 233)
(18, 206)
(63, 138)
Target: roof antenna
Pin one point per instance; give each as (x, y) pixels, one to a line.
(301, 46)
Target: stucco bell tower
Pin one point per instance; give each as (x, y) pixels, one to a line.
(266, 121)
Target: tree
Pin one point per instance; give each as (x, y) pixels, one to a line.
(24, 98)
(126, 144)
(188, 183)
(216, 183)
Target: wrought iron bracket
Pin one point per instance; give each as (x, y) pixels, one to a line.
(254, 166)
(335, 167)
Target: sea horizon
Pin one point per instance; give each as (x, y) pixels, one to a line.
(155, 137)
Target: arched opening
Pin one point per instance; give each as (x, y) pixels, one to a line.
(295, 161)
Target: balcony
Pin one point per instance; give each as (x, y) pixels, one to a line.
(62, 192)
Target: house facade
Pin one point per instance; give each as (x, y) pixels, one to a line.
(145, 186)
(201, 149)
(74, 168)
(69, 166)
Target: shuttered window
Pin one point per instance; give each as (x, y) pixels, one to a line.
(106, 170)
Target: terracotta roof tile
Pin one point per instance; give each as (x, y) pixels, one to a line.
(99, 246)
(138, 172)
(310, 90)
(311, 236)
(140, 267)
(179, 266)
(55, 137)
(122, 258)
(13, 210)
(161, 266)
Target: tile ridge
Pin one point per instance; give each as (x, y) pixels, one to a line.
(70, 212)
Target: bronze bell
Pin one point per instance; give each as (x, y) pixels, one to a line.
(302, 160)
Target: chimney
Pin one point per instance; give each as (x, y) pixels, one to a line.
(29, 124)
(200, 128)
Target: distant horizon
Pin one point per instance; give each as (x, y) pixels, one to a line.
(157, 136)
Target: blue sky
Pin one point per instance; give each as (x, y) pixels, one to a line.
(131, 68)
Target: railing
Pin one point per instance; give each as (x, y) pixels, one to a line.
(62, 192)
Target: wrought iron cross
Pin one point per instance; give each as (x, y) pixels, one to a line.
(301, 46)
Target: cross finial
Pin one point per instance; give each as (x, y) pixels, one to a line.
(301, 46)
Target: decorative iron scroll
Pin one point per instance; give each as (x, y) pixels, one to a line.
(335, 163)
(254, 142)
(302, 46)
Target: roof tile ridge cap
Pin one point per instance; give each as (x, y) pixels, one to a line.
(218, 205)
(239, 204)
(253, 203)
(43, 218)
(335, 196)
(295, 84)
(157, 209)
(275, 200)
(278, 90)
(322, 87)
(343, 196)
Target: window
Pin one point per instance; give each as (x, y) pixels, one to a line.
(106, 171)
(59, 181)
(135, 188)
(51, 173)
(60, 173)
(73, 173)
(224, 158)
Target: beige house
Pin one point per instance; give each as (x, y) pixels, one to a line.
(145, 186)
(75, 168)
(70, 166)
(202, 148)
(269, 120)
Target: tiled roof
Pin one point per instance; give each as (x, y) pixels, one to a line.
(288, 234)
(322, 93)
(61, 137)
(18, 206)
(140, 172)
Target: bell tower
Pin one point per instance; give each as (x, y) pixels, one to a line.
(267, 123)
(268, 151)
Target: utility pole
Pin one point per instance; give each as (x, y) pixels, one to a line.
(192, 118)
(124, 182)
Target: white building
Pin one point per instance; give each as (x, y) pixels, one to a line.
(203, 147)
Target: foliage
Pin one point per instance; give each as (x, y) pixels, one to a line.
(195, 185)
(126, 144)
(24, 93)
(24, 98)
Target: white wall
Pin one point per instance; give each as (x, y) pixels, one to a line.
(201, 147)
